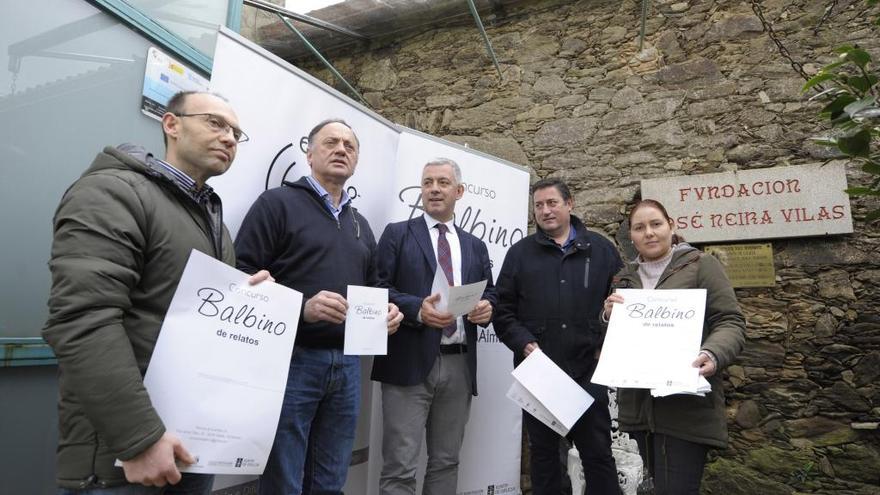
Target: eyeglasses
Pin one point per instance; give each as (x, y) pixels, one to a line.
(218, 124)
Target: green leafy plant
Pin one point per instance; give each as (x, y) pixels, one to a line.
(850, 89)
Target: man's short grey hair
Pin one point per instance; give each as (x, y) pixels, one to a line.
(436, 162)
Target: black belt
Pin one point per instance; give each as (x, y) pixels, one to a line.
(453, 349)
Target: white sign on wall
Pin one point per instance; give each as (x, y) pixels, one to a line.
(795, 201)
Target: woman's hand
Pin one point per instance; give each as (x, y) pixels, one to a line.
(610, 301)
(705, 363)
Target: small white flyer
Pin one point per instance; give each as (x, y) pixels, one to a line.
(456, 299)
(440, 286)
(366, 326)
(464, 298)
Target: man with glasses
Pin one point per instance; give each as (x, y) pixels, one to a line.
(122, 236)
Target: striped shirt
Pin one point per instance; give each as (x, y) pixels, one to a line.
(328, 201)
(186, 183)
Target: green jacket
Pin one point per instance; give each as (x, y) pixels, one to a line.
(122, 236)
(697, 419)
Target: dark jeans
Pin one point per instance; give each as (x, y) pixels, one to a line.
(592, 437)
(312, 449)
(676, 464)
(190, 484)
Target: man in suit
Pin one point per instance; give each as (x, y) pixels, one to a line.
(430, 372)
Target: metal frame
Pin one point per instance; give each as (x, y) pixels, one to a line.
(485, 36)
(159, 34)
(269, 7)
(284, 14)
(33, 351)
(323, 60)
(26, 351)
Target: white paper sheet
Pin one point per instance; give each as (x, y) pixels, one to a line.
(219, 369)
(530, 404)
(703, 387)
(464, 298)
(556, 399)
(456, 299)
(440, 286)
(366, 328)
(653, 339)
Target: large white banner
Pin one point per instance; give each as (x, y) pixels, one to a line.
(277, 105)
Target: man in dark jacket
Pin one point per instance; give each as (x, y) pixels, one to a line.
(122, 236)
(550, 292)
(311, 238)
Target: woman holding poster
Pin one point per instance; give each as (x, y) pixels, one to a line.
(675, 432)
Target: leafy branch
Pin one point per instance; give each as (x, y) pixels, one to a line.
(849, 87)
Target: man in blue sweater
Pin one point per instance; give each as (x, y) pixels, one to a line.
(307, 234)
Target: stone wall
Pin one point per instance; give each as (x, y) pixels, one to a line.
(708, 92)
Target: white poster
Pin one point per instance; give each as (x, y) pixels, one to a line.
(652, 340)
(277, 105)
(219, 370)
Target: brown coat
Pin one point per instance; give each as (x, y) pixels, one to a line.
(122, 236)
(689, 417)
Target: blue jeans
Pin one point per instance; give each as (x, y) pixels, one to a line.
(190, 484)
(312, 449)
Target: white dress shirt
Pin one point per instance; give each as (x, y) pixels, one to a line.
(455, 251)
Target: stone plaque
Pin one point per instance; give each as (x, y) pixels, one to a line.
(795, 201)
(746, 265)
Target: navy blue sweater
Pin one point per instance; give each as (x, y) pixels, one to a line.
(290, 232)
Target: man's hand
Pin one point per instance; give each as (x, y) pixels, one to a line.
(394, 318)
(155, 466)
(433, 318)
(481, 314)
(531, 346)
(325, 306)
(260, 276)
(705, 363)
